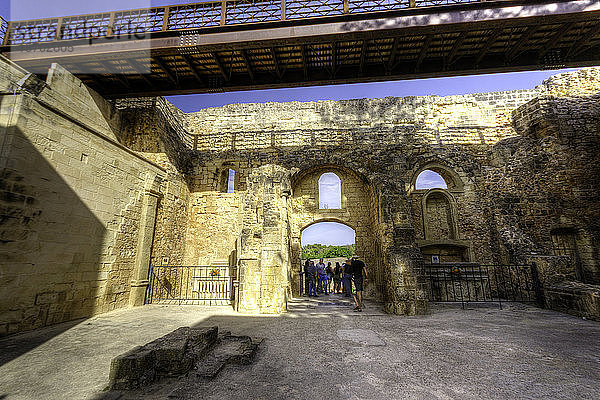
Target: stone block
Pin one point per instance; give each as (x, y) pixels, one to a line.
(172, 354)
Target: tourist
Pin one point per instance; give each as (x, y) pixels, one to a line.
(306, 264)
(312, 279)
(329, 272)
(322, 276)
(347, 278)
(337, 278)
(359, 275)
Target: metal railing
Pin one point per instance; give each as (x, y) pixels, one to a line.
(192, 284)
(3, 28)
(199, 15)
(478, 283)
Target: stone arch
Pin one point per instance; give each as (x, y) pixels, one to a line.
(336, 220)
(358, 212)
(450, 175)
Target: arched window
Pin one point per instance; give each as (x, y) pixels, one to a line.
(429, 179)
(330, 191)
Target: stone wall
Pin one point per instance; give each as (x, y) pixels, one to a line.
(94, 191)
(70, 206)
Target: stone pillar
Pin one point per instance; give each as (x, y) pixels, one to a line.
(139, 281)
(264, 262)
(406, 285)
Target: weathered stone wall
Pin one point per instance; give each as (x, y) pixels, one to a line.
(88, 189)
(70, 202)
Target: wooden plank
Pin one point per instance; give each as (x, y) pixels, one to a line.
(522, 40)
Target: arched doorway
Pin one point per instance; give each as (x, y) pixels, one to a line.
(334, 242)
(354, 207)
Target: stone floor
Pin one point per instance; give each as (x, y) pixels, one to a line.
(321, 349)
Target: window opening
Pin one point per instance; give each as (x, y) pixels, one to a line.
(330, 191)
(429, 179)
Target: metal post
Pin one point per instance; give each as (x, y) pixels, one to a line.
(165, 25)
(59, 25)
(283, 10)
(223, 12)
(148, 299)
(537, 285)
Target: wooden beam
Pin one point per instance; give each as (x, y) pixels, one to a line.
(190, 65)
(275, 62)
(488, 44)
(581, 43)
(455, 47)
(522, 40)
(424, 49)
(248, 66)
(304, 60)
(220, 66)
(333, 59)
(560, 33)
(393, 52)
(363, 55)
(137, 67)
(166, 70)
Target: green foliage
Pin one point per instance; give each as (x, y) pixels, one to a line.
(316, 251)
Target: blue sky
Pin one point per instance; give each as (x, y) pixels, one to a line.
(329, 233)
(429, 180)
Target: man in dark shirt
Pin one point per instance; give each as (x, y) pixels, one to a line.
(359, 275)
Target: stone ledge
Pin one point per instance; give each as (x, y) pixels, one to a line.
(574, 298)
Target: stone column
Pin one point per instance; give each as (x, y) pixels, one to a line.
(264, 261)
(139, 282)
(406, 285)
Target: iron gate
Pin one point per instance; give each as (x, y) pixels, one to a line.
(192, 284)
(479, 283)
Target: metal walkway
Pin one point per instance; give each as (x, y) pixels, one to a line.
(256, 44)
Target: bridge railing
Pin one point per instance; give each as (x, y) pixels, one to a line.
(195, 16)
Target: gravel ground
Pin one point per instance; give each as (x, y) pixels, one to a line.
(321, 349)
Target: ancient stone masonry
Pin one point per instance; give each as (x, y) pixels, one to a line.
(93, 191)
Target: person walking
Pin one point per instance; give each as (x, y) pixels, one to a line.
(347, 278)
(337, 278)
(359, 275)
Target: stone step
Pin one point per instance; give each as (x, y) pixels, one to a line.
(230, 349)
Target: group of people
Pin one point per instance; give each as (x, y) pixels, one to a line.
(318, 279)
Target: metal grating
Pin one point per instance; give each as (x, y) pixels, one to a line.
(359, 6)
(138, 21)
(429, 3)
(195, 15)
(313, 8)
(85, 26)
(25, 32)
(248, 11)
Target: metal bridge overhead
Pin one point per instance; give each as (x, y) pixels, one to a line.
(257, 44)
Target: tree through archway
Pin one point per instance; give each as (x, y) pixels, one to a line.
(327, 240)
